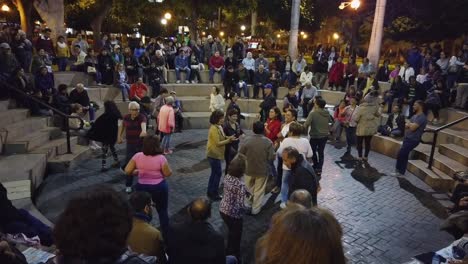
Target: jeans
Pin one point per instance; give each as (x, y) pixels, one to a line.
(350, 137)
(125, 88)
(231, 260)
(195, 73)
(62, 63)
(166, 140)
(285, 185)
(105, 148)
(212, 72)
(186, 69)
(131, 150)
(159, 195)
(215, 176)
(318, 148)
(367, 142)
(306, 107)
(235, 226)
(403, 154)
(244, 89)
(338, 130)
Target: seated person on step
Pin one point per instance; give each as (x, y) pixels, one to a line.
(395, 126)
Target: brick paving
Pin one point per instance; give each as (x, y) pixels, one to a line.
(385, 219)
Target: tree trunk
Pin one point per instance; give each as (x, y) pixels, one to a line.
(253, 23)
(294, 32)
(377, 33)
(193, 25)
(96, 23)
(53, 13)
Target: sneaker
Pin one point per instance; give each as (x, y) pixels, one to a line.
(167, 152)
(396, 174)
(128, 189)
(282, 205)
(177, 81)
(193, 81)
(435, 121)
(186, 81)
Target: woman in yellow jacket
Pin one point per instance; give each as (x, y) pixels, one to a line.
(63, 53)
(215, 147)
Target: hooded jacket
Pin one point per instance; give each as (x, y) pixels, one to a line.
(318, 120)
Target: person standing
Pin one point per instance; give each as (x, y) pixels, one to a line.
(259, 152)
(295, 141)
(268, 102)
(105, 130)
(367, 117)
(215, 149)
(216, 100)
(152, 169)
(318, 121)
(63, 53)
(231, 127)
(134, 127)
(414, 131)
(166, 124)
(231, 207)
(350, 124)
(121, 81)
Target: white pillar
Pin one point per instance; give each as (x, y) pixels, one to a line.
(294, 32)
(377, 33)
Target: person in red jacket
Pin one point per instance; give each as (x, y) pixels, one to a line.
(273, 124)
(216, 65)
(335, 77)
(138, 90)
(340, 118)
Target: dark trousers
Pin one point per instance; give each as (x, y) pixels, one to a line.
(105, 149)
(434, 109)
(229, 155)
(131, 150)
(179, 121)
(235, 226)
(159, 195)
(403, 154)
(257, 90)
(279, 170)
(215, 176)
(30, 226)
(318, 148)
(306, 107)
(367, 141)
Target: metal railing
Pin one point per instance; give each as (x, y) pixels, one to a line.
(434, 139)
(56, 111)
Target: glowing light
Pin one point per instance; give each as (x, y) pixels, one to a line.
(5, 8)
(203, 33)
(355, 4)
(164, 21)
(243, 27)
(302, 33)
(168, 16)
(221, 33)
(278, 35)
(304, 36)
(336, 36)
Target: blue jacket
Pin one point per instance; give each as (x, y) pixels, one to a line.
(181, 62)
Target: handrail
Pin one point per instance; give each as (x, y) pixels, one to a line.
(436, 133)
(55, 110)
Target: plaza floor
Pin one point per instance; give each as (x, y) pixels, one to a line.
(385, 219)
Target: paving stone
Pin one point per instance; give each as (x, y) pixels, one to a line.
(383, 220)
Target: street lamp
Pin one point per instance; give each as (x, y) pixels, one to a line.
(164, 21)
(5, 8)
(355, 4)
(302, 33)
(243, 28)
(168, 16)
(221, 33)
(336, 36)
(278, 35)
(304, 36)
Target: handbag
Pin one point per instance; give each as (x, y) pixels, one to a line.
(91, 69)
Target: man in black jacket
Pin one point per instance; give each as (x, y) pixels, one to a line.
(80, 96)
(269, 102)
(395, 125)
(195, 240)
(302, 173)
(260, 79)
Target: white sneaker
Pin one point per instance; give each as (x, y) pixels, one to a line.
(177, 82)
(282, 205)
(396, 174)
(186, 81)
(193, 81)
(128, 189)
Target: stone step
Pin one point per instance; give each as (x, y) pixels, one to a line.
(27, 205)
(4, 105)
(56, 147)
(449, 136)
(23, 167)
(62, 163)
(11, 116)
(435, 178)
(455, 152)
(204, 75)
(32, 140)
(448, 115)
(441, 161)
(25, 127)
(72, 78)
(199, 120)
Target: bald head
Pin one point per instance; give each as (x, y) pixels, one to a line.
(200, 209)
(301, 197)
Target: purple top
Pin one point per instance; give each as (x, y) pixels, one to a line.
(232, 203)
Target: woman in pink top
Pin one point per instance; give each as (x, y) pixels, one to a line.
(152, 169)
(166, 124)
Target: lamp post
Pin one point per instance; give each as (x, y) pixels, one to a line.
(375, 43)
(355, 4)
(5, 8)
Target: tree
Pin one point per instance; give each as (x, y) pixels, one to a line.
(25, 10)
(377, 33)
(53, 13)
(294, 32)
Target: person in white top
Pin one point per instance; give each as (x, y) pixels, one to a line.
(295, 140)
(216, 100)
(249, 65)
(406, 72)
(306, 76)
(422, 76)
(289, 117)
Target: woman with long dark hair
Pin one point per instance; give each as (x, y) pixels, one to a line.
(104, 130)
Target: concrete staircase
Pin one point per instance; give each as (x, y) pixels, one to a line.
(30, 147)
